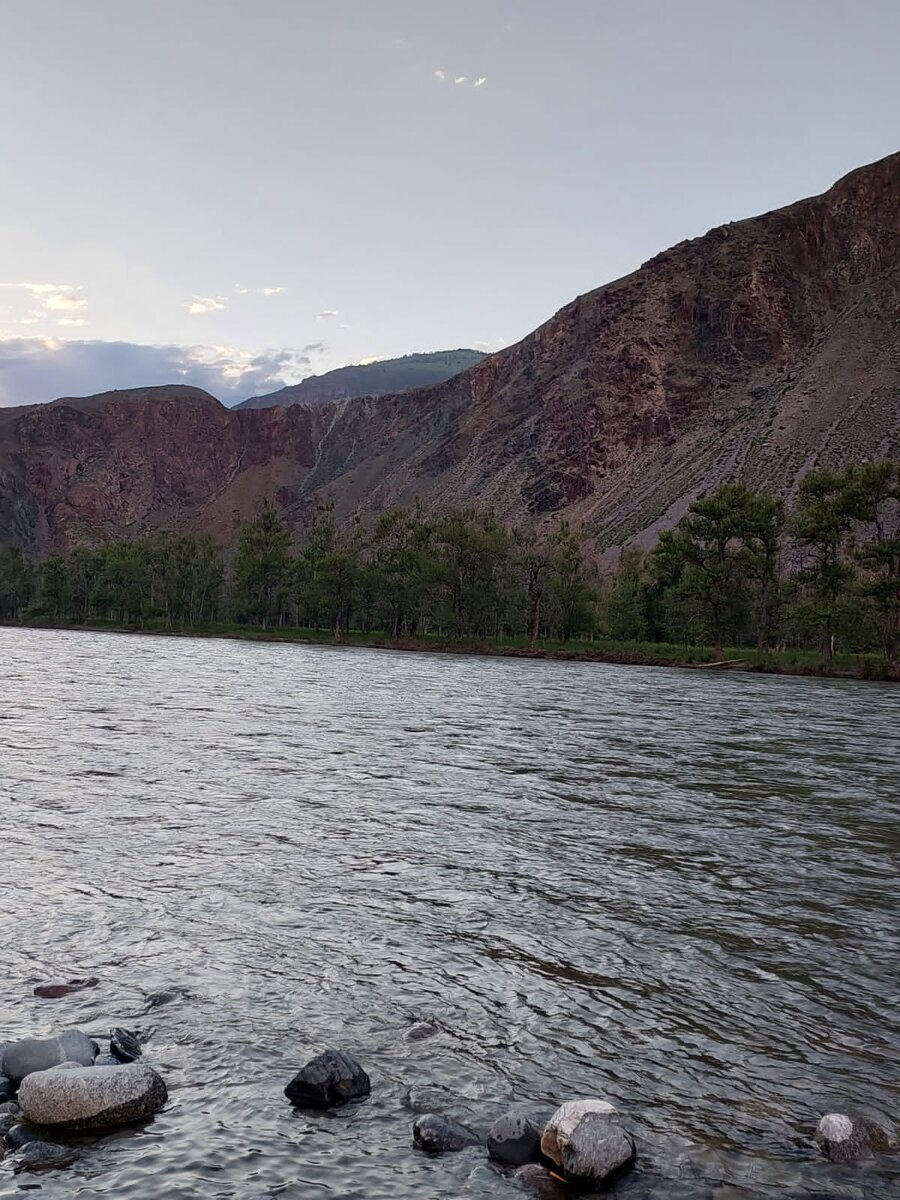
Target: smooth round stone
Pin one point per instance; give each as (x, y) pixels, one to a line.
(513, 1141)
(10, 1106)
(440, 1135)
(586, 1140)
(92, 1097)
(107, 1060)
(7, 1121)
(23, 1058)
(21, 1135)
(844, 1139)
(42, 1156)
(330, 1079)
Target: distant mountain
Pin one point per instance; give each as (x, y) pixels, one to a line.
(760, 350)
(371, 379)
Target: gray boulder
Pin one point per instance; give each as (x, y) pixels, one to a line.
(21, 1135)
(513, 1141)
(124, 1045)
(440, 1135)
(844, 1139)
(92, 1097)
(42, 1156)
(7, 1087)
(328, 1080)
(7, 1121)
(586, 1140)
(39, 1054)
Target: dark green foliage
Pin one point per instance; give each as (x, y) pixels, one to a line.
(727, 574)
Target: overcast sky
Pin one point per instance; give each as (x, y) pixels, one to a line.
(237, 192)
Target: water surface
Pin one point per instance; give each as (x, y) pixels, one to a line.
(676, 890)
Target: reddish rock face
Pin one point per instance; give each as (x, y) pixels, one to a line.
(754, 352)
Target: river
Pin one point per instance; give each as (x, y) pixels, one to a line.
(673, 889)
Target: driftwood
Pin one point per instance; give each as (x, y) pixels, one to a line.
(723, 662)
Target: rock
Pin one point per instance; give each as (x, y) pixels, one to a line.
(7, 1087)
(54, 991)
(540, 1180)
(7, 1121)
(10, 1106)
(514, 1141)
(42, 1156)
(440, 1135)
(586, 1140)
(124, 1045)
(92, 1097)
(844, 1139)
(419, 1031)
(37, 1054)
(107, 1060)
(328, 1080)
(20, 1135)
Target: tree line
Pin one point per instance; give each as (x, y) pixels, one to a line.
(739, 569)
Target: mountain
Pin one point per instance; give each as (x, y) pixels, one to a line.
(756, 351)
(371, 379)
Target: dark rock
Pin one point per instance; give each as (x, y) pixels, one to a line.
(514, 1141)
(54, 991)
(440, 1135)
(844, 1139)
(38, 1054)
(107, 1060)
(42, 1156)
(587, 1141)
(420, 1031)
(10, 1106)
(124, 1045)
(21, 1135)
(92, 1097)
(7, 1087)
(328, 1080)
(7, 1121)
(539, 1180)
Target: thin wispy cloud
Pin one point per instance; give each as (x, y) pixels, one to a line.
(48, 300)
(480, 81)
(205, 304)
(440, 76)
(258, 291)
(326, 314)
(461, 79)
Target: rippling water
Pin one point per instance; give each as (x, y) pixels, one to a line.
(673, 889)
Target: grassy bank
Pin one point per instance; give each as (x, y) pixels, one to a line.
(780, 662)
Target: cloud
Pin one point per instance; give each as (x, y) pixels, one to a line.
(205, 304)
(326, 313)
(440, 76)
(71, 321)
(270, 291)
(48, 298)
(373, 358)
(36, 369)
(258, 291)
(460, 79)
(480, 81)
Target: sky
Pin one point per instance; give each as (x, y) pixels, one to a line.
(236, 194)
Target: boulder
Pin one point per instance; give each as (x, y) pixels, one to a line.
(42, 1156)
(7, 1121)
(7, 1088)
(844, 1139)
(513, 1141)
(107, 1060)
(328, 1080)
(38, 1054)
(10, 1106)
(440, 1135)
(124, 1045)
(92, 1097)
(586, 1140)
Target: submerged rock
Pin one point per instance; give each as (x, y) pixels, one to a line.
(38, 1054)
(513, 1141)
(92, 1097)
(587, 1141)
(539, 1180)
(330, 1079)
(54, 991)
(42, 1156)
(420, 1031)
(440, 1135)
(21, 1135)
(124, 1045)
(844, 1139)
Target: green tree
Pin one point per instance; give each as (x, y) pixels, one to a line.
(820, 526)
(261, 567)
(871, 499)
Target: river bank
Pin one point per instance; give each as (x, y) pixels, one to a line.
(658, 654)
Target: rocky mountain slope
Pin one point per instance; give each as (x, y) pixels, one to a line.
(371, 379)
(756, 351)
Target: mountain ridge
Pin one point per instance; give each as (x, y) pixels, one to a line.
(754, 351)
